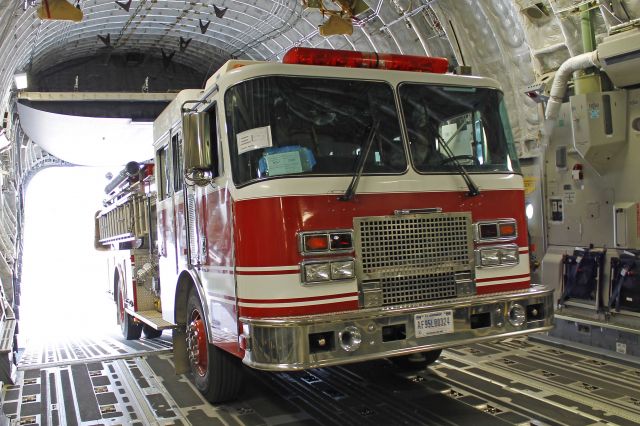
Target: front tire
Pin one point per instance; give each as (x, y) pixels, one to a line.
(217, 374)
(417, 361)
(129, 328)
(150, 332)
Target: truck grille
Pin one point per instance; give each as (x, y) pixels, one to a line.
(414, 257)
(417, 288)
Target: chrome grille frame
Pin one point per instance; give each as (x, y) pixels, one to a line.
(408, 289)
(414, 258)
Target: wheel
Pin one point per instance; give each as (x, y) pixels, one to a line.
(15, 349)
(417, 361)
(130, 329)
(218, 375)
(150, 332)
(16, 297)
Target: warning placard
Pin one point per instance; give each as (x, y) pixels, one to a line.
(530, 184)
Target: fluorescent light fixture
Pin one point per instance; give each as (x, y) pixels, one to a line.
(21, 80)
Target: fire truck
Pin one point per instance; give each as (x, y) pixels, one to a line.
(338, 207)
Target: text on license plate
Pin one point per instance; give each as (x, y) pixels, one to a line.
(433, 323)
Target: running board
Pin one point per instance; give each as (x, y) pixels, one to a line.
(152, 318)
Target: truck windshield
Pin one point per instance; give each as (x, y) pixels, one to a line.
(472, 121)
(298, 126)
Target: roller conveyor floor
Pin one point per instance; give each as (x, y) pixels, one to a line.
(514, 382)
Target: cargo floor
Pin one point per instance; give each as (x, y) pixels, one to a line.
(517, 382)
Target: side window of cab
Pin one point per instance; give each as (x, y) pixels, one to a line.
(177, 158)
(165, 189)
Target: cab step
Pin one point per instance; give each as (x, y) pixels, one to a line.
(152, 318)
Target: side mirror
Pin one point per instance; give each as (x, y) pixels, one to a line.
(197, 145)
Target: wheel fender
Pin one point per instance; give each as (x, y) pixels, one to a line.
(187, 280)
(118, 278)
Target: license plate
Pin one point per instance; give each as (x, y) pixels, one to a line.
(433, 323)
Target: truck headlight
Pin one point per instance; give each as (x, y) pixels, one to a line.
(509, 256)
(315, 272)
(506, 255)
(342, 270)
(489, 257)
(331, 270)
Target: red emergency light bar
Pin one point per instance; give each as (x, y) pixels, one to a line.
(353, 59)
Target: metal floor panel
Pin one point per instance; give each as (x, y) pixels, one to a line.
(59, 352)
(514, 382)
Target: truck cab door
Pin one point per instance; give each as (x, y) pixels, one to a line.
(166, 241)
(181, 201)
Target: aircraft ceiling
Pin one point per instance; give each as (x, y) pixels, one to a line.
(516, 42)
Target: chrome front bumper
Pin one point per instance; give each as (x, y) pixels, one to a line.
(297, 343)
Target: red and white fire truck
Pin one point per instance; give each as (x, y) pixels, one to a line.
(334, 208)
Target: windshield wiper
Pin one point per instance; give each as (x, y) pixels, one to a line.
(362, 157)
(473, 188)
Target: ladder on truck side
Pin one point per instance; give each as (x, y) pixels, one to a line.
(129, 223)
(126, 221)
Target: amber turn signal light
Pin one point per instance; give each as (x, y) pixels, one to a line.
(496, 230)
(508, 229)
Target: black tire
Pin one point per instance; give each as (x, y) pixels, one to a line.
(217, 374)
(417, 361)
(14, 349)
(129, 328)
(150, 332)
(16, 292)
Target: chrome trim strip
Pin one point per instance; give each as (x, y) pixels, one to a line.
(422, 348)
(286, 344)
(416, 211)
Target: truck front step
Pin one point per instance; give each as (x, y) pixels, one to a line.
(152, 318)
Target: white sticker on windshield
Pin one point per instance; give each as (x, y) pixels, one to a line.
(284, 163)
(257, 138)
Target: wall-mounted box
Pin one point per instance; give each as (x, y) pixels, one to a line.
(626, 225)
(599, 126)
